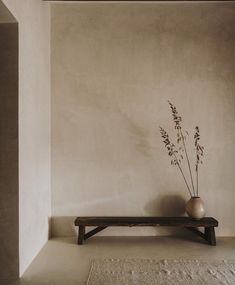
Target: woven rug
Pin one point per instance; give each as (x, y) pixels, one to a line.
(161, 272)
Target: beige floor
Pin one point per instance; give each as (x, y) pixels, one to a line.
(63, 262)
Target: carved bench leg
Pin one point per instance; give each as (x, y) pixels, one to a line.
(210, 235)
(81, 234)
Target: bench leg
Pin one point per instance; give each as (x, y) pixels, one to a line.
(93, 232)
(210, 235)
(81, 234)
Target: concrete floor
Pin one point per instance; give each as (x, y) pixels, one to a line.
(63, 262)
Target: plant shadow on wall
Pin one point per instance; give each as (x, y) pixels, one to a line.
(138, 134)
(178, 153)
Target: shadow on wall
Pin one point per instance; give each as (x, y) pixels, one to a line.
(63, 226)
(138, 134)
(169, 206)
(166, 205)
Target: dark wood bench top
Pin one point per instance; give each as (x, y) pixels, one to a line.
(146, 221)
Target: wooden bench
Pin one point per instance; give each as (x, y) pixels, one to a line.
(101, 223)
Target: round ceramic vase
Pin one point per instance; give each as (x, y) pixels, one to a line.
(195, 208)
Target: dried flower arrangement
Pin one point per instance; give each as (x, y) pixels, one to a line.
(178, 151)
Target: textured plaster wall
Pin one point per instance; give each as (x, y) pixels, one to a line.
(9, 245)
(34, 125)
(114, 66)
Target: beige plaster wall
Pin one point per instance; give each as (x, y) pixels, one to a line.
(34, 125)
(9, 188)
(114, 66)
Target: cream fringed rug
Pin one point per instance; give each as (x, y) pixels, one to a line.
(161, 272)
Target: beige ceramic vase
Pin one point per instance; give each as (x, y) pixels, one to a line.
(195, 208)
